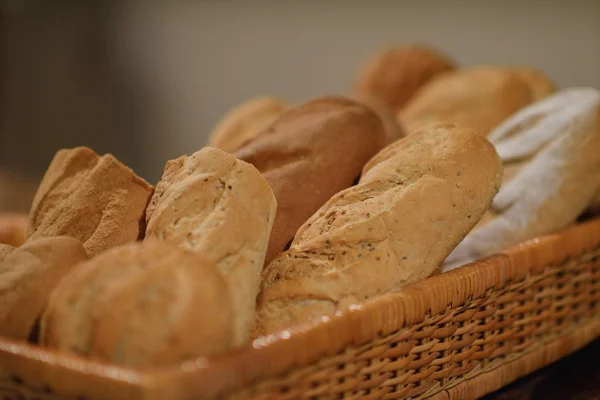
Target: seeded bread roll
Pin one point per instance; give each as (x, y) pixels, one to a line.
(222, 209)
(141, 305)
(5, 250)
(395, 74)
(96, 200)
(407, 213)
(310, 153)
(13, 228)
(28, 275)
(245, 121)
(477, 98)
(551, 155)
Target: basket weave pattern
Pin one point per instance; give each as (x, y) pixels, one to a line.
(459, 344)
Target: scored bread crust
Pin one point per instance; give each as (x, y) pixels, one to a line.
(95, 199)
(310, 153)
(27, 277)
(223, 209)
(395, 74)
(407, 213)
(13, 228)
(551, 157)
(477, 98)
(242, 123)
(142, 305)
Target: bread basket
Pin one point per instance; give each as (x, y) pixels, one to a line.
(457, 335)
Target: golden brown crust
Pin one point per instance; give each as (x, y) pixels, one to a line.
(5, 250)
(223, 209)
(28, 275)
(477, 98)
(394, 228)
(142, 305)
(392, 127)
(97, 200)
(539, 84)
(395, 74)
(242, 123)
(310, 153)
(13, 228)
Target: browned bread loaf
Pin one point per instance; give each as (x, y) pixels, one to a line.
(222, 209)
(28, 275)
(391, 126)
(5, 250)
(310, 153)
(410, 209)
(244, 122)
(97, 200)
(539, 84)
(395, 74)
(551, 155)
(142, 305)
(477, 98)
(13, 228)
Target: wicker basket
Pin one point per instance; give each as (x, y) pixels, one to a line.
(458, 335)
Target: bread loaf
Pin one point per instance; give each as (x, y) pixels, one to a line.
(222, 209)
(540, 85)
(28, 275)
(477, 98)
(141, 305)
(5, 250)
(245, 121)
(551, 155)
(13, 228)
(310, 153)
(96, 200)
(391, 126)
(395, 74)
(407, 213)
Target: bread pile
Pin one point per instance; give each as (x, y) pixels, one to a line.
(293, 212)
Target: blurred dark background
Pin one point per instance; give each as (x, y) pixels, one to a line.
(147, 80)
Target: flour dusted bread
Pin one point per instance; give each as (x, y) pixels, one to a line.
(13, 228)
(477, 98)
(310, 153)
(407, 213)
(551, 156)
(221, 208)
(395, 74)
(141, 305)
(27, 277)
(244, 122)
(95, 199)
(5, 250)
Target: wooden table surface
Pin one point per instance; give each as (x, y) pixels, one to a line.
(576, 377)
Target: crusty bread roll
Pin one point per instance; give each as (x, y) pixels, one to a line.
(407, 213)
(539, 84)
(478, 98)
(244, 122)
(141, 305)
(310, 153)
(551, 156)
(393, 75)
(13, 228)
(97, 200)
(223, 209)
(27, 277)
(391, 126)
(5, 250)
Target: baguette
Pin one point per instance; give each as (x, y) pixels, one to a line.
(97, 200)
(13, 228)
(310, 153)
(551, 156)
(222, 209)
(28, 275)
(141, 305)
(407, 213)
(244, 122)
(395, 74)
(477, 98)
